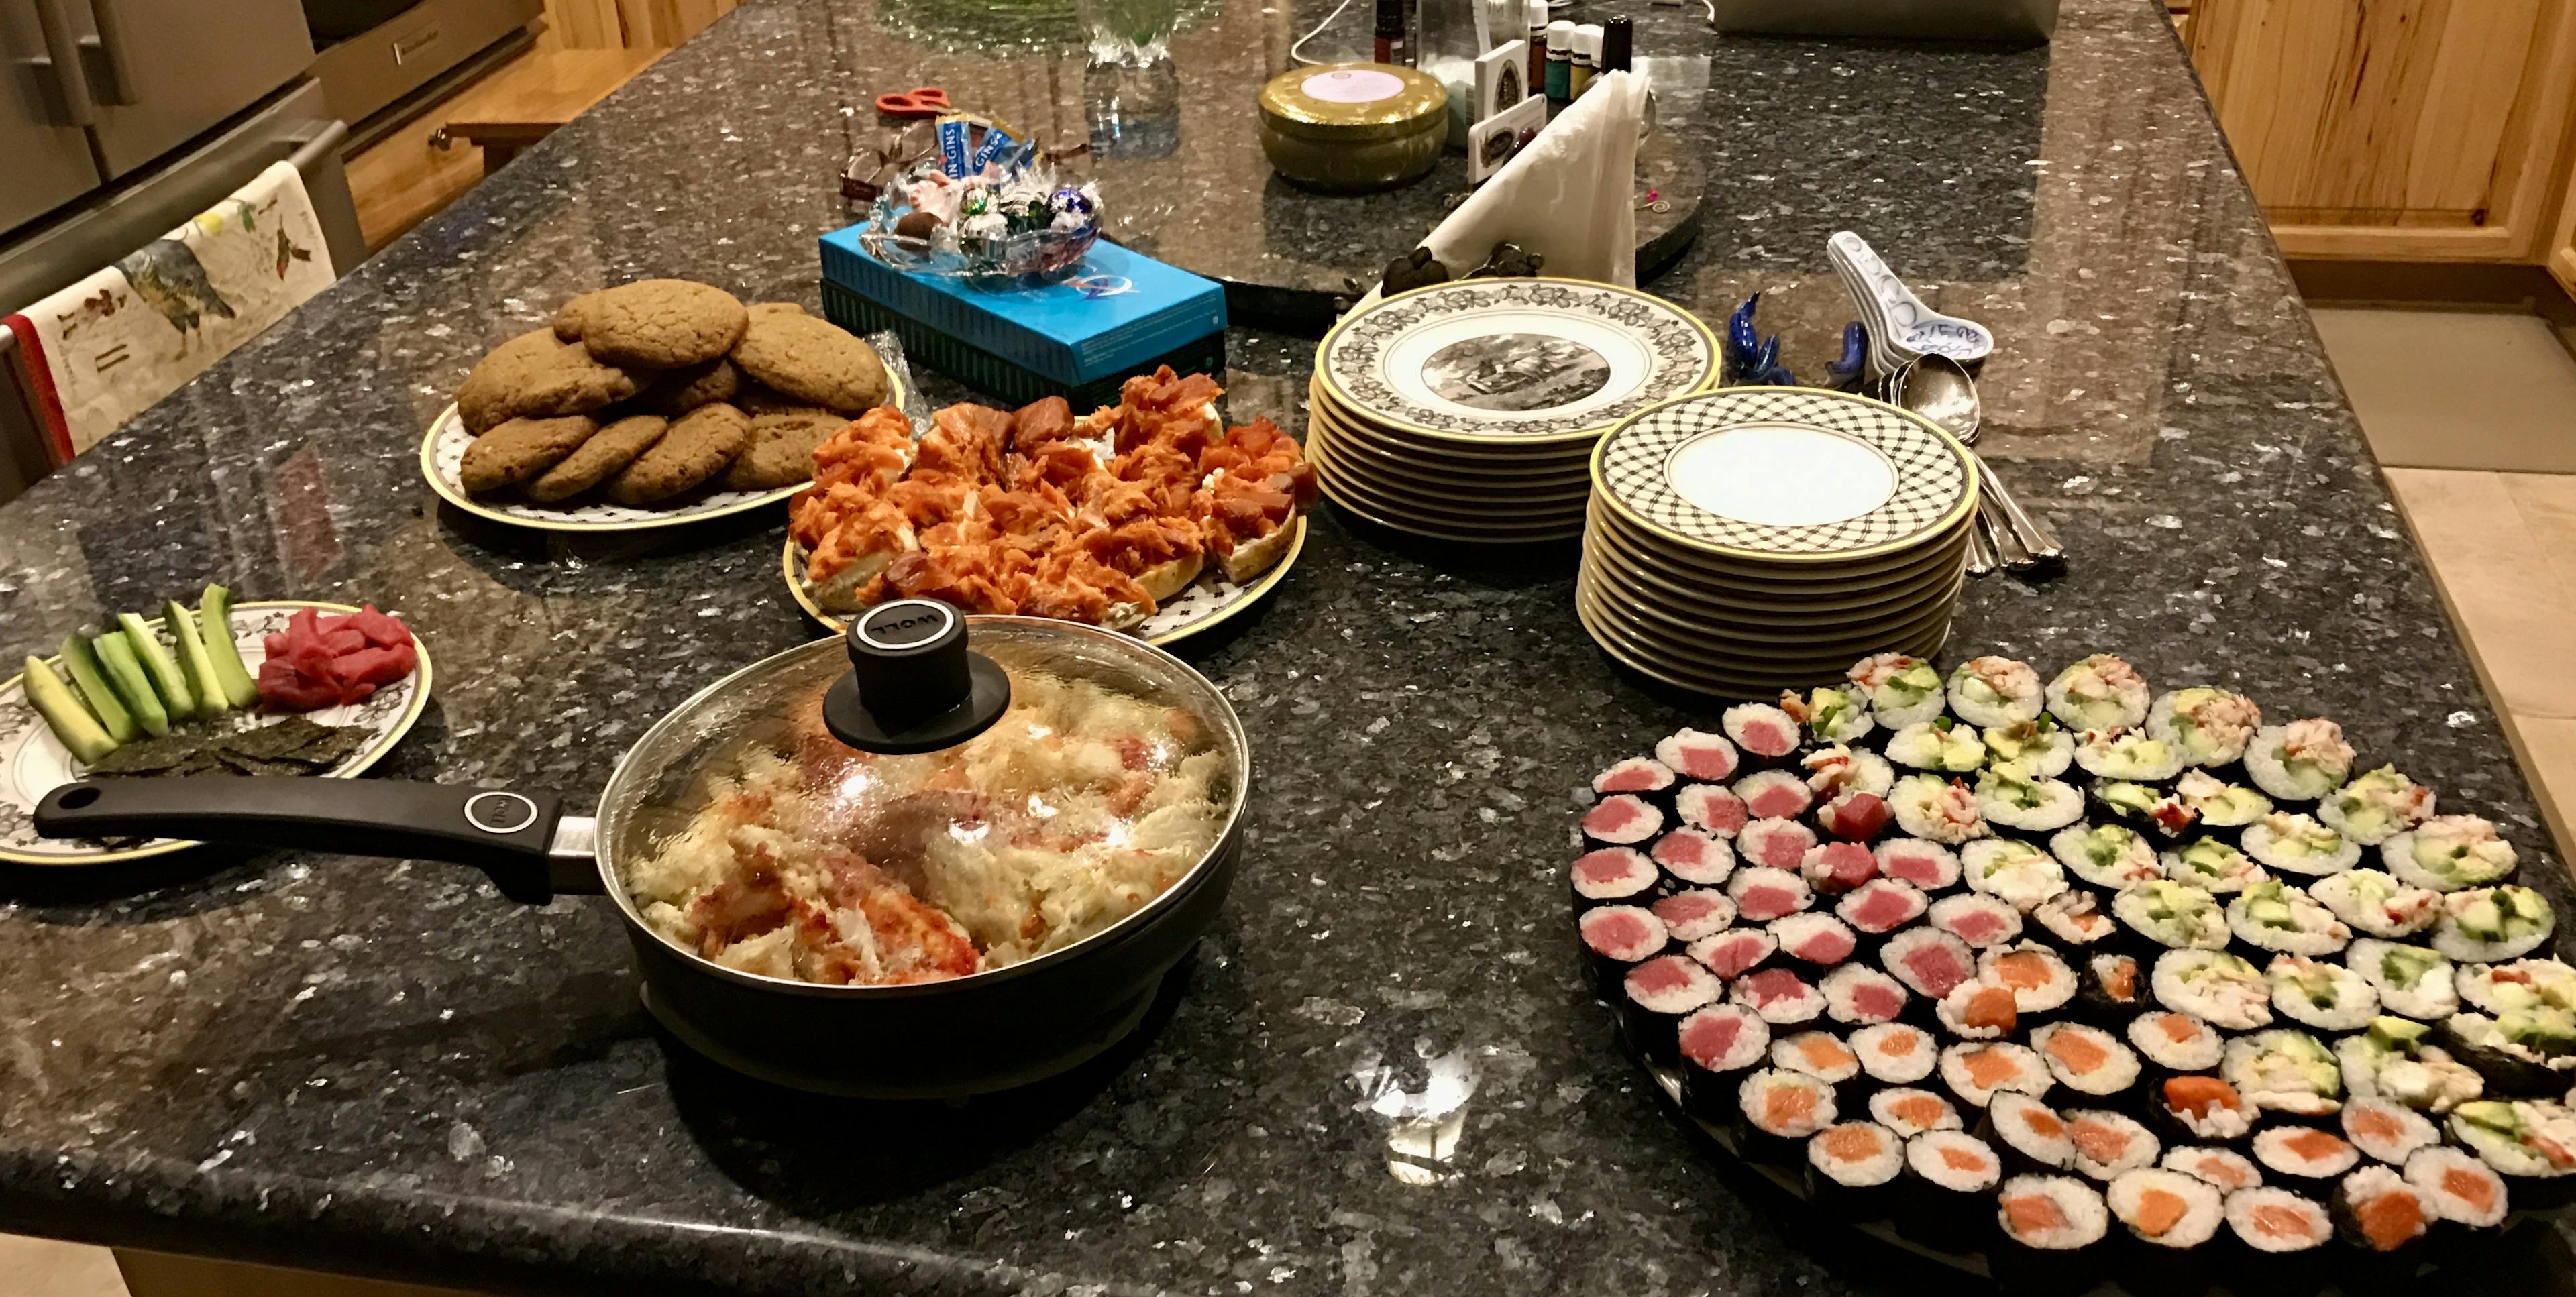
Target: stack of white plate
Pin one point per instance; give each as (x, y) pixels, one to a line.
(1753, 539)
(1469, 410)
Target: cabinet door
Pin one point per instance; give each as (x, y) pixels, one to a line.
(2562, 245)
(2394, 129)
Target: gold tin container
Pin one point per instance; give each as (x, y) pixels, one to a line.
(1353, 128)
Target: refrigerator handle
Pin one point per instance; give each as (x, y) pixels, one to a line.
(62, 64)
(110, 73)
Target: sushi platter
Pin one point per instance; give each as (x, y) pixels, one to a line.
(1468, 410)
(2054, 978)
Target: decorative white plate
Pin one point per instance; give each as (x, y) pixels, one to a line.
(33, 762)
(1513, 359)
(1785, 475)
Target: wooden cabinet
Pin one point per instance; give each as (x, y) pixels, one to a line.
(2399, 130)
(2562, 244)
(630, 24)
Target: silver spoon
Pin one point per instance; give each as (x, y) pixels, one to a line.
(1939, 389)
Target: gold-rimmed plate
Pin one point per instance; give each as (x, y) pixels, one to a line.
(1760, 680)
(1439, 492)
(1793, 580)
(1724, 608)
(1745, 620)
(1733, 647)
(1504, 520)
(1570, 471)
(1569, 458)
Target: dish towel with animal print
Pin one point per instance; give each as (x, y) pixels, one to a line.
(106, 348)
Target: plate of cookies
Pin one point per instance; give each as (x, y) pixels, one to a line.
(652, 404)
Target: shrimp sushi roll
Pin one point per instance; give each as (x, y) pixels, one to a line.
(2375, 904)
(1851, 1168)
(2015, 797)
(2087, 1060)
(2299, 844)
(1930, 962)
(2276, 916)
(1622, 820)
(1880, 906)
(1612, 875)
(1656, 995)
(1819, 939)
(2412, 981)
(2212, 866)
(1783, 998)
(1708, 758)
(2219, 805)
(2226, 1168)
(1977, 1011)
(1713, 809)
(2012, 871)
(1833, 868)
(2529, 1053)
(1831, 714)
(2278, 1222)
(1774, 794)
(1911, 1112)
(1733, 953)
(2314, 993)
(1839, 769)
(2449, 853)
(2131, 755)
(2284, 1071)
(2111, 988)
(1896, 1053)
(1858, 993)
(2052, 1228)
(2108, 1143)
(1780, 1110)
(1927, 865)
(1763, 734)
(1947, 1200)
(2203, 1108)
(2299, 762)
(1902, 689)
(2101, 692)
(1780, 844)
(2524, 986)
(1941, 745)
(1763, 893)
(2388, 1130)
(2209, 726)
(2393, 1061)
(2215, 987)
(2030, 1133)
(2076, 918)
(1980, 921)
(2376, 806)
(2108, 856)
(1694, 858)
(1641, 775)
(2462, 1188)
(2376, 1209)
(2493, 923)
(1937, 810)
(1855, 815)
(1820, 1054)
(1995, 691)
(2040, 982)
(1719, 1045)
(1617, 938)
(2304, 1154)
(2043, 747)
(2177, 916)
(1695, 913)
(1977, 1071)
(2167, 1209)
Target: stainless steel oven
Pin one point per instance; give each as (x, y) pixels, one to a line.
(380, 57)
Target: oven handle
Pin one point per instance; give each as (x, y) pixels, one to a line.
(62, 63)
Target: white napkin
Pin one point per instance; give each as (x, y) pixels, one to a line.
(1571, 196)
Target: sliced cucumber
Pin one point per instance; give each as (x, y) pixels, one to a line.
(167, 679)
(81, 663)
(193, 660)
(72, 722)
(215, 622)
(116, 659)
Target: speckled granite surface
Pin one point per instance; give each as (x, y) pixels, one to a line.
(388, 1068)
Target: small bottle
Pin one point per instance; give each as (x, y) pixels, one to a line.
(1537, 44)
(1560, 60)
(1618, 45)
(1587, 60)
(1392, 47)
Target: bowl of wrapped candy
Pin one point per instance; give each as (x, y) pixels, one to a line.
(1011, 218)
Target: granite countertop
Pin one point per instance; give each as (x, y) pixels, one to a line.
(1386, 1071)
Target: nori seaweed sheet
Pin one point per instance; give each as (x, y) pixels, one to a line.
(293, 746)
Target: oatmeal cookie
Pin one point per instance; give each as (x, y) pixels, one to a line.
(698, 446)
(610, 449)
(815, 361)
(538, 376)
(521, 449)
(661, 324)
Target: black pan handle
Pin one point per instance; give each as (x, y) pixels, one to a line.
(506, 834)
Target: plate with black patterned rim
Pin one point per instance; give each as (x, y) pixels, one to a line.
(1513, 360)
(1785, 475)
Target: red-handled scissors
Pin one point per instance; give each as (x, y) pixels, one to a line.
(920, 101)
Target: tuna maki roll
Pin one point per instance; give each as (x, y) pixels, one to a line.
(2462, 1188)
(1612, 874)
(1718, 1045)
(1695, 913)
(1980, 921)
(1881, 906)
(2040, 982)
(1940, 744)
(2174, 915)
(1713, 809)
(2108, 856)
(2209, 726)
(2522, 1139)
(2075, 917)
(2011, 871)
(1708, 758)
(2277, 1221)
(2412, 981)
(1857, 993)
(1833, 868)
(2212, 866)
(1930, 962)
(2449, 853)
(2284, 1071)
(1763, 734)
(1762, 894)
(2087, 1060)
(2193, 1106)
(1819, 939)
(1832, 714)
(1774, 794)
(1733, 953)
(1937, 810)
(2278, 917)
(2111, 988)
(2014, 797)
(2226, 1168)
(2215, 987)
(2376, 1209)
(2108, 1143)
(2392, 1061)
(2493, 923)
(1851, 1164)
(2376, 806)
(1820, 1054)
(1783, 998)
(1855, 815)
(1780, 1110)
(1977, 1011)
(2522, 1053)
(2304, 1153)
(1995, 691)
(2127, 755)
(2299, 762)
(2521, 986)
(2176, 1042)
(1619, 937)
(1927, 865)
(2167, 1208)
(2388, 1130)
(2299, 844)
(2099, 693)
(1976, 1071)
(2031, 1132)
(1896, 1053)
(2374, 904)
(1622, 820)
(1695, 858)
(1903, 689)
(1656, 995)
(1840, 769)
(1780, 844)
(2160, 815)
(1911, 1112)
(2220, 805)
(1634, 775)
(2042, 747)
(2314, 993)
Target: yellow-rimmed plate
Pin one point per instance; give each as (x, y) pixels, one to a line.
(33, 762)
(1734, 613)
(1689, 570)
(1461, 519)
(1761, 683)
(1452, 495)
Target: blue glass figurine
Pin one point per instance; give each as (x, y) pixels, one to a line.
(1850, 373)
(1752, 360)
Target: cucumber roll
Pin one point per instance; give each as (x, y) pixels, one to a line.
(2521, 1053)
(2387, 1130)
(1995, 691)
(2220, 805)
(2449, 853)
(2392, 1061)
(1940, 744)
(2209, 726)
(2373, 903)
(2212, 866)
(2108, 856)
(1911, 1112)
(1937, 810)
(2493, 923)
(2101, 692)
(2214, 987)
(2376, 806)
(2313, 993)
(2127, 755)
(2298, 844)
(2412, 981)
(2158, 814)
(1831, 714)
(2284, 1071)
(2525, 1140)
(1903, 689)
(2286, 920)
(2175, 915)
(2012, 871)
(2043, 746)
(2301, 761)
(2464, 1189)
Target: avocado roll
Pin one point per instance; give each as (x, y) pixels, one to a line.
(2373, 903)
(2077, 918)
(2174, 915)
(1881, 906)
(2110, 988)
(2388, 1130)
(2521, 1053)
(2493, 923)
(1734, 952)
(1694, 913)
(2207, 1109)
(1612, 875)
(1713, 809)
(1780, 844)
(1977, 1071)
(2126, 755)
(1937, 810)
(1995, 691)
(2212, 866)
(1858, 993)
(2215, 987)
(2208, 725)
(2101, 692)
(1820, 1054)
(1763, 893)
(1927, 865)
(1895, 1053)
(2109, 855)
(2221, 806)
(2412, 981)
(2226, 1168)
(1774, 794)
(1830, 713)
(2108, 1143)
(2464, 1189)
(1656, 995)
(2524, 1139)
(2522, 985)
(2051, 1228)
(1718, 1045)
(1622, 820)
(2012, 871)
(1980, 921)
(1641, 775)
(2376, 1209)
(2152, 811)
(2277, 1222)
(2167, 1209)
(2299, 762)
(2176, 1041)
(1708, 758)
(2314, 993)
(2394, 1060)
(2304, 1154)
(1763, 735)
(2449, 853)
(2087, 1060)
(1902, 689)
(1617, 938)
(2284, 1071)
(1911, 1112)
(2030, 1133)
(2279, 917)
(1851, 1168)
(2041, 746)
(2014, 797)
(2287, 843)
(2376, 806)
(1940, 744)
(1780, 1110)
(1694, 858)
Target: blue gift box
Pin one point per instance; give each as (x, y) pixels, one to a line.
(1124, 314)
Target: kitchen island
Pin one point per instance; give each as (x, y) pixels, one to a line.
(1384, 1070)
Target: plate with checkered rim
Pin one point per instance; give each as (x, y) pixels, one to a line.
(1935, 480)
(1680, 355)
